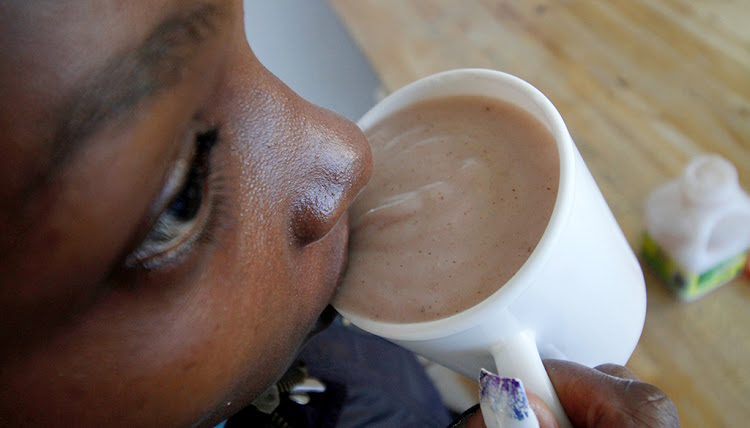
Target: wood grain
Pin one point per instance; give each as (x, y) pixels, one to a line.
(644, 85)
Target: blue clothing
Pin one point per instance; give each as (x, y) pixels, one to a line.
(385, 385)
(369, 382)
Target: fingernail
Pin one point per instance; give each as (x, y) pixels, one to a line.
(504, 403)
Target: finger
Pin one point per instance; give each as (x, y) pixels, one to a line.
(592, 398)
(471, 418)
(617, 371)
(476, 420)
(543, 413)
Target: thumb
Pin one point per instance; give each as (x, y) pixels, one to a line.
(592, 398)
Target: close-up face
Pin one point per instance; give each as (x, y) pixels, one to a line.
(173, 216)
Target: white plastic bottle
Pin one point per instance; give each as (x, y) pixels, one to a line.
(698, 228)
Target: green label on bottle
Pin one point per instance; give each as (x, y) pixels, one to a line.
(686, 284)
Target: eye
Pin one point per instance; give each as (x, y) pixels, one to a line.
(180, 224)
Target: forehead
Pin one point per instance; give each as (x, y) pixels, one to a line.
(63, 33)
(51, 47)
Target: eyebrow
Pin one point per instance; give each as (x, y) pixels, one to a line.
(132, 76)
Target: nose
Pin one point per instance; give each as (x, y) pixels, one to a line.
(308, 162)
(336, 166)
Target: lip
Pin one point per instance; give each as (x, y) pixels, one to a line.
(329, 314)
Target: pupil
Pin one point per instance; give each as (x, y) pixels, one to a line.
(187, 204)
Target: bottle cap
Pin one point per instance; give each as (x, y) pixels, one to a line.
(709, 179)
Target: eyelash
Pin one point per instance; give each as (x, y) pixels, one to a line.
(201, 186)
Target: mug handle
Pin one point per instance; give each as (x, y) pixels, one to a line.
(518, 357)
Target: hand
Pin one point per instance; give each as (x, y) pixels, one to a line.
(607, 396)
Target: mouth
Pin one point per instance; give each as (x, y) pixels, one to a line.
(329, 314)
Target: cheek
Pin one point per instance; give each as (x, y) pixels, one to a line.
(286, 280)
(168, 355)
(266, 291)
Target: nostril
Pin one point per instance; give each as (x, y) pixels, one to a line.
(316, 211)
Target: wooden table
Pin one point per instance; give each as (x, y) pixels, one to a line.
(644, 85)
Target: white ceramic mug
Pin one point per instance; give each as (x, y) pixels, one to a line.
(580, 296)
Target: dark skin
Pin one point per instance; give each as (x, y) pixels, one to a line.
(107, 323)
(174, 217)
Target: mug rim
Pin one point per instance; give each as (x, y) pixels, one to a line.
(445, 84)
